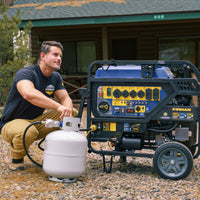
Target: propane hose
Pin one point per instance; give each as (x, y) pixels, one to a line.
(109, 145)
(92, 128)
(162, 130)
(24, 142)
(49, 123)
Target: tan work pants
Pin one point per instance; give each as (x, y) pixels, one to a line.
(13, 132)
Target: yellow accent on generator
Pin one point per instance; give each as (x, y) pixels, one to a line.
(109, 90)
(109, 126)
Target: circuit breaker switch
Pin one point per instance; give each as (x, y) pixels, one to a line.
(130, 110)
(108, 92)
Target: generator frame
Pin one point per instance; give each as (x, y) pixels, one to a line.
(174, 87)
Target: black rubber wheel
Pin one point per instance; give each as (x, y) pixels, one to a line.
(173, 160)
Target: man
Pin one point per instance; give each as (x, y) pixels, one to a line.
(29, 96)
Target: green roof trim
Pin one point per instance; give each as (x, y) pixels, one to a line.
(114, 19)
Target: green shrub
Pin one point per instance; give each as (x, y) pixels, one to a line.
(14, 49)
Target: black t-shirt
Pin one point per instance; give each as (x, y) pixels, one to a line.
(16, 106)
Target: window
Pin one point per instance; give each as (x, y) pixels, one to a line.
(180, 49)
(124, 49)
(77, 56)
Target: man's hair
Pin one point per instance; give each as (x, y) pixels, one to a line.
(45, 47)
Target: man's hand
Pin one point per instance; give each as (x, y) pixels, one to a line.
(64, 111)
(66, 107)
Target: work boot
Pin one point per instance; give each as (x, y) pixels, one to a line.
(16, 164)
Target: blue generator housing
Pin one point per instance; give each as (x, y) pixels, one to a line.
(131, 72)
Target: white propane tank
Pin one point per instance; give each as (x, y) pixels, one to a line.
(65, 151)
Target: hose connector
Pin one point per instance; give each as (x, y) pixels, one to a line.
(50, 123)
(93, 127)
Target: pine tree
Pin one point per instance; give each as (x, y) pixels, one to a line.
(14, 48)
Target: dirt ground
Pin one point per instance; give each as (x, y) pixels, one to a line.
(135, 179)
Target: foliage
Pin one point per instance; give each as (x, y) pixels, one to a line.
(14, 49)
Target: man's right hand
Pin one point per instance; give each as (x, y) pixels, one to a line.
(64, 111)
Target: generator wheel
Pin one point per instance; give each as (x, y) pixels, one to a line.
(173, 160)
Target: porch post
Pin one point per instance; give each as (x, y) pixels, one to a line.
(105, 42)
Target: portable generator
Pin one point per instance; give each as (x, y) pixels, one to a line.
(137, 105)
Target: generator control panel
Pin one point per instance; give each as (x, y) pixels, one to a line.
(127, 100)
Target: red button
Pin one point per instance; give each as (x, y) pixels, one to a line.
(100, 94)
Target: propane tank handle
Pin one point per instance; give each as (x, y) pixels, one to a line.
(71, 124)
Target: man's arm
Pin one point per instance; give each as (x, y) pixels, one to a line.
(63, 97)
(37, 98)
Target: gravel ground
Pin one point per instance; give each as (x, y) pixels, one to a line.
(134, 179)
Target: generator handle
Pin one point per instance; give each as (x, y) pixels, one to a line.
(100, 63)
(84, 95)
(196, 155)
(168, 63)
